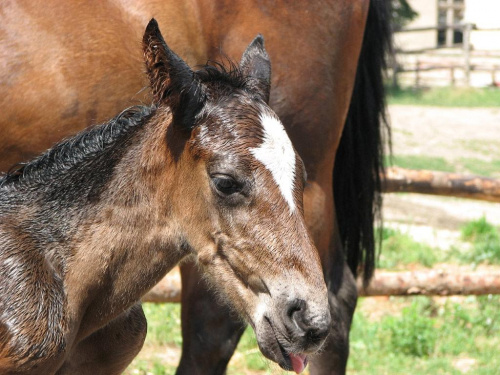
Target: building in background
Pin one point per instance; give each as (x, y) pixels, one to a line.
(485, 15)
(469, 50)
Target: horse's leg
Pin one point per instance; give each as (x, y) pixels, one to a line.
(210, 330)
(342, 298)
(111, 349)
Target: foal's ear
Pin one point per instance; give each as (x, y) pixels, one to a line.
(256, 65)
(172, 80)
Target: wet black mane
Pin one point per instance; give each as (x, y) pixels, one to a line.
(222, 74)
(68, 153)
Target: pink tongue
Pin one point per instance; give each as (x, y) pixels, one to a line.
(299, 362)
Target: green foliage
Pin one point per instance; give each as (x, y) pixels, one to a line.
(428, 337)
(489, 148)
(420, 162)
(478, 229)
(485, 241)
(399, 250)
(472, 166)
(252, 356)
(402, 13)
(388, 233)
(150, 367)
(412, 333)
(481, 167)
(445, 96)
(164, 323)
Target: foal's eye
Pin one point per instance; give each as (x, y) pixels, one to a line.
(226, 185)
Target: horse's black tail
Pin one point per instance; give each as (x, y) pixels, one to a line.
(359, 160)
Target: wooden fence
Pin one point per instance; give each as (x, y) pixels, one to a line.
(440, 282)
(465, 62)
(441, 183)
(422, 282)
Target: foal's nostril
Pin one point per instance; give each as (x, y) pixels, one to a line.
(317, 334)
(311, 329)
(296, 307)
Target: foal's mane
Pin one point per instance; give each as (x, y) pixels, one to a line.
(228, 74)
(221, 77)
(71, 151)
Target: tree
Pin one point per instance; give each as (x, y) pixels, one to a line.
(402, 13)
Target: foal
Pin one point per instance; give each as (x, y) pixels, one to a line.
(207, 172)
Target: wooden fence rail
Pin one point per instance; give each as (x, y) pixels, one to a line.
(441, 183)
(433, 282)
(422, 282)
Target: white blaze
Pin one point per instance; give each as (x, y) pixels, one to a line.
(278, 156)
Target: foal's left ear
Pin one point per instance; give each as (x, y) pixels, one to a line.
(172, 80)
(255, 64)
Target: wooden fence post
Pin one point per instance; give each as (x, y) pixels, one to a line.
(467, 47)
(395, 71)
(417, 74)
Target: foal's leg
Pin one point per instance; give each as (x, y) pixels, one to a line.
(111, 349)
(210, 330)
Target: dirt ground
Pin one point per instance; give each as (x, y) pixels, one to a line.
(450, 133)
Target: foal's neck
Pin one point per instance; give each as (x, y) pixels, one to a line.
(132, 239)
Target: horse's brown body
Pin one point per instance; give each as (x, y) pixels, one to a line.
(56, 79)
(92, 224)
(68, 64)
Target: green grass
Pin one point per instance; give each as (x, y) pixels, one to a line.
(476, 230)
(445, 97)
(484, 239)
(481, 246)
(487, 148)
(481, 167)
(164, 333)
(164, 323)
(427, 338)
(420, 336)
(420, 162)
(471, 166)
(150, 367)
(413, 332)
(251, 357)
(399, 250)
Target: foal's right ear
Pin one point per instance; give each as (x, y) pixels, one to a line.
(172, 80)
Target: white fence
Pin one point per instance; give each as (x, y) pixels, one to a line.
(459, 64)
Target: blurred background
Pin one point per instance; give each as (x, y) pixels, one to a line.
(444, 107)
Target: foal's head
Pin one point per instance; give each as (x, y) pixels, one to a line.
(238, 196)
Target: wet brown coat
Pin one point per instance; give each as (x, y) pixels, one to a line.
(45, 99)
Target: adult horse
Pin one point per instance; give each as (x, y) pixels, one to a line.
(92, 224)
(68, 64)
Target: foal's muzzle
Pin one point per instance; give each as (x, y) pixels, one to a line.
(307, 329)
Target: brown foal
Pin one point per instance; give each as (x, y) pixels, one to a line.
(208, 173)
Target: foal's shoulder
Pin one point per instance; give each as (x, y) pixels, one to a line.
(32, 299)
